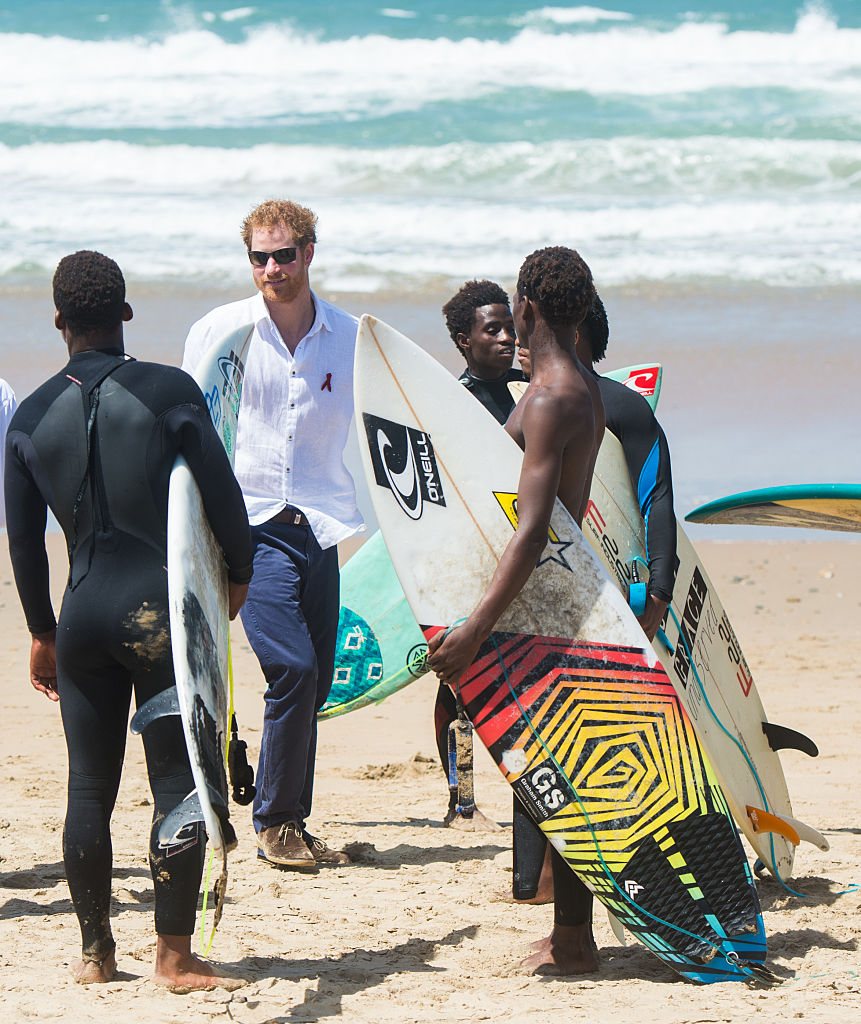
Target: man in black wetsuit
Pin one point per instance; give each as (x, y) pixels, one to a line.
(96, 444)
(478, 318)
(630, 418)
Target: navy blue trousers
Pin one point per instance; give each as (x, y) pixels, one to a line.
(291, 621)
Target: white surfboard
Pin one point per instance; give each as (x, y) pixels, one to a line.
(199, 624)
(703, 658)
(567, 695)
(705, 663)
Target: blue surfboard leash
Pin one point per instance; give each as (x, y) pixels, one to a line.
(729, 955)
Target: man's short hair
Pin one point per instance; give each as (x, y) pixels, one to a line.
(274, 213)
(560, 284)
(459, 311)
(597, 329)
(89, 291)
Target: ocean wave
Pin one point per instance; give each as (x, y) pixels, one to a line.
(591, 169)
(280, 75)
(379, 242)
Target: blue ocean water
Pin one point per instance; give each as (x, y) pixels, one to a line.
(706, 141)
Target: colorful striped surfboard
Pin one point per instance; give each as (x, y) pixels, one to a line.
(572, 703)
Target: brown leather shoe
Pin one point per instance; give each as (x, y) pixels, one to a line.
(322, 853)
(284, 845)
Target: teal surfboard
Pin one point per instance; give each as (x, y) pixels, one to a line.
(380, 648)
(813, 506)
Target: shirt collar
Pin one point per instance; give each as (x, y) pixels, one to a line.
(321, 314)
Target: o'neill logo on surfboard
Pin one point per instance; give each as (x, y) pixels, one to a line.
(404, 463)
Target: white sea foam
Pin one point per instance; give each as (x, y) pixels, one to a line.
(405, 216)
(629, 169)
(570, 16)
(195, 78)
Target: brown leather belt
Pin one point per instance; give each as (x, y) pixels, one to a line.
(291, 516)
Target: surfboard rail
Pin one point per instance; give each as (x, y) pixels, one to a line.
(832, 506)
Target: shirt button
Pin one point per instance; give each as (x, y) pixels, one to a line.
(292, 404)
(288, 469)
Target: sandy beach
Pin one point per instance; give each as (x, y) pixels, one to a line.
(419, 927)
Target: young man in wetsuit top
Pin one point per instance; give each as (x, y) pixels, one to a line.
(630, 418)
(478, 318)
(559, 423)
(96, 443)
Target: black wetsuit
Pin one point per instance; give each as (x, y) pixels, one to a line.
(96, 444)
(496, 397)
(630, 418)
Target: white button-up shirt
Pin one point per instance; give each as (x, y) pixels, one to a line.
(294, 414)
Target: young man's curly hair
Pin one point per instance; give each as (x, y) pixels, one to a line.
(596, 329)
(459, 311)
(276, 213)
(560, 284)
(89, 291)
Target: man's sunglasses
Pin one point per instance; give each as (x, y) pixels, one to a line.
(259, 258)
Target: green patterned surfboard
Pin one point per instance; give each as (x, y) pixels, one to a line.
(380, 648)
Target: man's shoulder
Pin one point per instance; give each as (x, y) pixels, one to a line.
(159, 385)
(623, 404)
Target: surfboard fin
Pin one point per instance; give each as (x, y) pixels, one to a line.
(188, 812)
(808, 833)
(781, 738)
(763, 821)
(617, 928)
(175, 824)
(164, 703)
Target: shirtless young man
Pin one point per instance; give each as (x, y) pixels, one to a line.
(559, 423)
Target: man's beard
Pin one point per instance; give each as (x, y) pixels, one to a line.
(287, 290)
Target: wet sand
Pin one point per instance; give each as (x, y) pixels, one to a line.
(760, 384)
(419, 928)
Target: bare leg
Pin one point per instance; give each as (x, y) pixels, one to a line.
(569, 949)
(91, 970)
(178, 969)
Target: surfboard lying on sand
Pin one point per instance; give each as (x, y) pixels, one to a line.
(571, 702)
(815, 506)
(199, 624)
(380, 648)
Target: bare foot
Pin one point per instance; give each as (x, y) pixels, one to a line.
(179, 970)
(92, 971)
(569, 949)
(478, 822)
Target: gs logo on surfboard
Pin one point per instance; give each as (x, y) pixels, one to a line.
(543, 790)
(404, 463)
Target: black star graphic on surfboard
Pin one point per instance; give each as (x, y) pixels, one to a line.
(554, 552)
